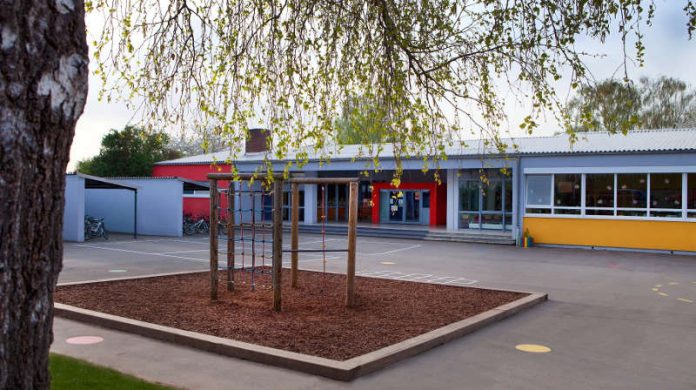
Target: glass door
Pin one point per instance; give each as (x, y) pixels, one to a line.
(485, 205)
(402, 206)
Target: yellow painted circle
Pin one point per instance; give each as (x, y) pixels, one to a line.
(533, 348)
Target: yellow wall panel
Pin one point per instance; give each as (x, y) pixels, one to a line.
(665, 235)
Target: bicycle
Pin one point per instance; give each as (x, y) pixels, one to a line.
(198, 227)
(95, 227)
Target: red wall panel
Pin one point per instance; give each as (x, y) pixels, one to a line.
(196, 207)
(438, 199)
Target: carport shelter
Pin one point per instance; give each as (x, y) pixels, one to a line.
(133, 205)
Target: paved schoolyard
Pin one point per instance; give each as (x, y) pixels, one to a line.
(614, 320)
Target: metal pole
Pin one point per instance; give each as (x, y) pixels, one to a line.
(135, 216)
(277, 242)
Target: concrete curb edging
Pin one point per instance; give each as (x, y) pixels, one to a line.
(339, 370)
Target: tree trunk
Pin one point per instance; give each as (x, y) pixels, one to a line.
(43, 87)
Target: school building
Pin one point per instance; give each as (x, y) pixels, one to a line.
(635, 191)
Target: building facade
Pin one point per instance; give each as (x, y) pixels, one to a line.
(636, 191)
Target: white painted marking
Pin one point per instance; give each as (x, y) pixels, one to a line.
(408, 248)
(148, 253)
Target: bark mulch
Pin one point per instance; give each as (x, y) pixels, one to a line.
(314, 319)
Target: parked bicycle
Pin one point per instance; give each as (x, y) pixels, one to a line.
(202, 226)
(95, 227)
(192, 226)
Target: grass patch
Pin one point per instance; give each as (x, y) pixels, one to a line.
(74, 374)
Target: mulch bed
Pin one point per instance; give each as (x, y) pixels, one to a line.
(314, 319)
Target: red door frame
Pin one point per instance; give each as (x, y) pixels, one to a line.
(438, 199)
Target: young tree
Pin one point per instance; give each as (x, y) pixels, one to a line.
(129, 152)
(43, 88)
(435, 67)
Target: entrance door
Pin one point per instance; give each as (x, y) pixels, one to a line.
(403, 206)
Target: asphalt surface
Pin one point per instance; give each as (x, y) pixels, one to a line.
(614, 320)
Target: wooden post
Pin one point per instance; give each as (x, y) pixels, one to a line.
(213, 229)
(230, 237)
(277, 242)
(295, 214)
(352, 230)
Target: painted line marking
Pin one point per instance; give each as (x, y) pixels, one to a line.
(148, 253)
(656, 289)
(685, 300)
(533, 348)
(658, 285)
(672, 283)
(387, 262)
(662, 294)
(117, 270)
(408, 248)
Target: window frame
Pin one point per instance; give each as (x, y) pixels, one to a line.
(685, 214)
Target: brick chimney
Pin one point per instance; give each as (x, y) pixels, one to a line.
(257, 141)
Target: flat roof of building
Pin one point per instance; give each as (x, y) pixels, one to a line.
(636, 141)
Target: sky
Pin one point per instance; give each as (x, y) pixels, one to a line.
(669, 52)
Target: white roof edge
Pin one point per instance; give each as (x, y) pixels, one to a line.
(636, 141)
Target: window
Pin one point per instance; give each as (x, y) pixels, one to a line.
(539, 194)
(631, 194)
(599, 193)
(691, 195)
(654, 195)
(665, 195)
(567, 193)
(469, 195)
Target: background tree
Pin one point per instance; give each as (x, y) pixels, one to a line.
(361, 122)
(129, 152)
(199, 141)
(667, 102)
(618, 107)
(43, 88)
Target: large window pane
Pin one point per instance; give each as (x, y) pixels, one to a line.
(691, 192)
(599, 190)
(508, 194)
(566, 190)
(666, 190)
(469, 195)
(493, 196)
(632, 190)
(539, 190)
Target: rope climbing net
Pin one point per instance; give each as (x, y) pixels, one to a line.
(252, 222)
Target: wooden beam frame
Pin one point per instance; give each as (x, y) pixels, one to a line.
(295, 215)
(278, 183)
(213, 240)
(277, 243)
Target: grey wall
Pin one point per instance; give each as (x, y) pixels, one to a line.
(74, 212)
(115, 206)
(160, 206)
